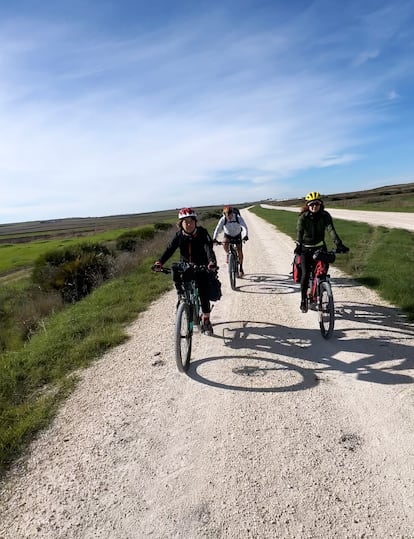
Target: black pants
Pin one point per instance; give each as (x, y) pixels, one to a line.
(308, 263)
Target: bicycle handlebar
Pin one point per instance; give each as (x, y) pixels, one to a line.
(320, 254)
(157, 269)
(182, 267)
(234, 242)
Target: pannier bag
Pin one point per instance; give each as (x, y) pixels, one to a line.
(297, 269)
(214, 287)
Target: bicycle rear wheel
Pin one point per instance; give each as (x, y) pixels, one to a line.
(326, 310)
(232, 270)
(183, 336)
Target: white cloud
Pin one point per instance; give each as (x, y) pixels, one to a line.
(94, 124)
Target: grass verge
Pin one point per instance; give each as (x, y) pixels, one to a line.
(35, 379)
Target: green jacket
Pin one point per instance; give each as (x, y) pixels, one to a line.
(310, 229)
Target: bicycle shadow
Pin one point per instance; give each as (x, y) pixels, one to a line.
(391, 318)
(304, 379)
(268, 283)
(380, 360)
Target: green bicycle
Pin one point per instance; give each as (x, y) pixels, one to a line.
(189, 313)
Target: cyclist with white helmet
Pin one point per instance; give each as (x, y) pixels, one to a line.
(196, 246)
(234, 227)
(312, 223)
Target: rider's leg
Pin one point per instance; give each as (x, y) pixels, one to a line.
(202, 285)
(241, 258)
(304, 282)
(226, 247)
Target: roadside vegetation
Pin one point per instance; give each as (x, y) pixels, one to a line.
(46, 336)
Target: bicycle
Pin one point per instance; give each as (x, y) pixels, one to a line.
(233, 261)
(189, 313)
(320, 296)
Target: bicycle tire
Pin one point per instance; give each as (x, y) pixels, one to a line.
(326, 310)
(232, 270)
(183, 336)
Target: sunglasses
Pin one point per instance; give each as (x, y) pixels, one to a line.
(314, 204)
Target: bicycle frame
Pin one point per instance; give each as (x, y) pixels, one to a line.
(320, 293)
(233, 262)
(188, 293)
(318, 274)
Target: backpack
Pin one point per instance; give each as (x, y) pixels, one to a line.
(214, 287)
(297, 269)
(236, 213)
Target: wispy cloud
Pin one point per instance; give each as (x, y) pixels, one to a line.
(94, 122)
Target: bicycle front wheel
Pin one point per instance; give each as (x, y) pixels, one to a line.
(183, 337)
(232, 270)
(326, 310)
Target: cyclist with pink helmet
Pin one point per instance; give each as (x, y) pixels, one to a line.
(196, 246)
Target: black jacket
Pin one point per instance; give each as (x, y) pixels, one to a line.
(197, 248)
(310, 228)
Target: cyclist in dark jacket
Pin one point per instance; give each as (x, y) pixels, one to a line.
(312, 223)
(196, 246)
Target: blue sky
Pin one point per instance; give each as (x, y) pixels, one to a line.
(112, 107)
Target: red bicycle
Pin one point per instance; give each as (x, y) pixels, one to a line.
(320, 296)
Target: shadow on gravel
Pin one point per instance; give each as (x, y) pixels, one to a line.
(270, 283)
(390, 319)
(274, 352)
(254, 369)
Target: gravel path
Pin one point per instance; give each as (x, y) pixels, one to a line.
(388, 219)
(275, 433)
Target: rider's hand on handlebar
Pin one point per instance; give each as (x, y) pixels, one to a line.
(216, 242)
(157, 266)
(245, 238)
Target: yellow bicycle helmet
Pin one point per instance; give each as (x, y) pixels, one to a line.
(314, 195)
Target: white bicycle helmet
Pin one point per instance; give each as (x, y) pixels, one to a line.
(187, 212)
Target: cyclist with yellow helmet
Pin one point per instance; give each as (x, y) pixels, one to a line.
(312, 223)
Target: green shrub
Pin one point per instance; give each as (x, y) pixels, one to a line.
(162, 226)
(212, 214)
(132, 239)
(75, 271)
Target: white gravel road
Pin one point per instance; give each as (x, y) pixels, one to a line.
(275, 433)
(388, 219)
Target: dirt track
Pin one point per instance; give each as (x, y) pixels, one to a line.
(275, 433)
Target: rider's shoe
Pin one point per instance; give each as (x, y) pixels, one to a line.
(206, 327)
(241, 273)
(304, 306)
